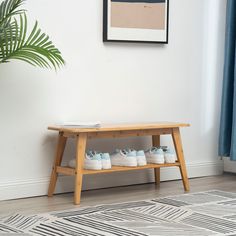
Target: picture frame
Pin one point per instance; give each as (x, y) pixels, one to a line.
(136, 21)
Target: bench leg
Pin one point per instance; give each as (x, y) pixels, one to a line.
(80, 152)
(57, 162)
(180, 155)
(156, 143)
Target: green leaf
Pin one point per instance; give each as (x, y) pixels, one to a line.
(35, 49)
(9, 8)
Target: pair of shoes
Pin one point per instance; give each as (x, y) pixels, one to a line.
(156, 155)
(128, 157)
(139, 155)
(169, 154)
(94, 161)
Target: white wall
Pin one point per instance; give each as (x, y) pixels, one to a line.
(112, 82)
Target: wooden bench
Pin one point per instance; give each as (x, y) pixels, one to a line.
(81, 136)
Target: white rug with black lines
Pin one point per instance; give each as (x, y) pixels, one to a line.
(203, 213)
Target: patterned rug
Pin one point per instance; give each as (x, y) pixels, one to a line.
(204, 213)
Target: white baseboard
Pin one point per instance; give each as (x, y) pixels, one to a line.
(38, 187)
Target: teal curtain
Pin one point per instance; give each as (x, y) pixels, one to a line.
(227, 136)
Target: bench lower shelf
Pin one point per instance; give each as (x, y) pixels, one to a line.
(71, 171)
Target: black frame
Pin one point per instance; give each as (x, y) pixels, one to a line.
(105, 39)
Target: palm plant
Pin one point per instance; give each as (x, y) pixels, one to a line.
(15, 43)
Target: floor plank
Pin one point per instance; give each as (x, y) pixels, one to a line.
(43, 204)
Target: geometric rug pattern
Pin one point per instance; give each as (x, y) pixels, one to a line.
(203, 213)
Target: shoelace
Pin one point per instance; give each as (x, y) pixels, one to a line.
(154, 149)
(124, 151)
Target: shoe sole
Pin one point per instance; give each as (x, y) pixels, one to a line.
(121, 163)
(94, 165)
(156, 160)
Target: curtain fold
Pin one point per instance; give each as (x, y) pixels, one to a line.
(227, 135)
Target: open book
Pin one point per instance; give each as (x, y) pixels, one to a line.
(80, 124)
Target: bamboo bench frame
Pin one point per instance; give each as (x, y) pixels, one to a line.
(81, 135)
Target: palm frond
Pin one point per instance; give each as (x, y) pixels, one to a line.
(9, 8)
(35, 49)
(8, 30)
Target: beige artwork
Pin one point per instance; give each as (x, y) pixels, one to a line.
(138, 15)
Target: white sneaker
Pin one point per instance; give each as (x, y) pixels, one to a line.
(155, 156)
(105, 158)
(140, 156)
(72, 163)
(170, 156)
(91, 162)
(94, 161)
(106, 161)
(123, 158)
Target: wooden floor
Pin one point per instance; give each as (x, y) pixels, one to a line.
(226, 182)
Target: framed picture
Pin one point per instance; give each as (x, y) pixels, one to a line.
(144, 21)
